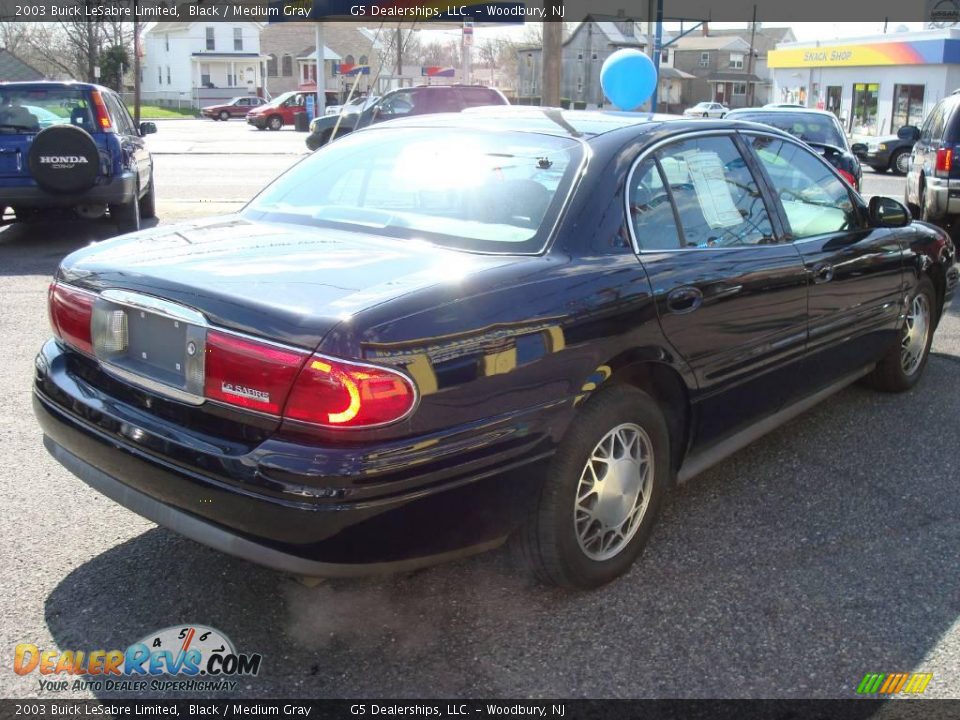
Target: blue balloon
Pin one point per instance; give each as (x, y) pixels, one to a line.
(628, 78)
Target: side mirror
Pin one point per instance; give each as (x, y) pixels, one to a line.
(888, 213)
(859, 149)
(148, 128)
(909, 132)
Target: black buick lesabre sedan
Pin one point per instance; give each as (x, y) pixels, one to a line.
(436, 333)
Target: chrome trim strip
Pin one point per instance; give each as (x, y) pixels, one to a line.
(155, 305)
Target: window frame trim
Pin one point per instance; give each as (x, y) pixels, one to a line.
(776, 221)
(788, 236)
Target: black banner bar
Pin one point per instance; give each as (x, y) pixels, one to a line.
(489, 709)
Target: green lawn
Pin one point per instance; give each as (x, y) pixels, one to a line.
(152, 112)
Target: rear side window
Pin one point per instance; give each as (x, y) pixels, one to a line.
(121, 118)
(651, 212)
(933, 127)
(479, 96)
(717, 199)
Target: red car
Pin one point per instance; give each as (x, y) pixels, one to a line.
(281, 110)
(237, 107)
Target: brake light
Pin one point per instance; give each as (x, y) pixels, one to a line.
(249, 374)
(337, 393)
(71, 311)
(849, 178)
(100, 111)
(944, 161)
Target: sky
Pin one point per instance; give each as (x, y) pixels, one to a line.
(803, 30)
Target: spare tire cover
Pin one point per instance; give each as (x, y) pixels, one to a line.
(64, 159)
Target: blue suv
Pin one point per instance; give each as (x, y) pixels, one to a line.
(72, 145)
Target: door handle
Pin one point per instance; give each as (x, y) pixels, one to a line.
(684, 300)
(822, 273)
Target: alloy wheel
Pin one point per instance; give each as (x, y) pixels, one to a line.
(614, 491)
(903, 163)
(916, 330)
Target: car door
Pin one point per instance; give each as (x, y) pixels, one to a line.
(856, 286)
(240, 108)
(730, 295)
(131, 141)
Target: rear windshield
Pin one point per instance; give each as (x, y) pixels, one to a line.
(32, 109)
(809, 127)
(477, 97)
(462, 188)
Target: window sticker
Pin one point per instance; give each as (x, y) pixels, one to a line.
(713, 193)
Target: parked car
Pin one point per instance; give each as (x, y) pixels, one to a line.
(356, 105)
(818, 128)
(932, 189)
(707, 109)
(70, 145)
(282, 110)
(889, 152)
(404, 102)
(237, 107)
(438, 332)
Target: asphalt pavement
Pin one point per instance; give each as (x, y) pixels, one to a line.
(824, 551)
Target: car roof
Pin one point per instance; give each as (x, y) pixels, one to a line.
(53, 83)
(783, 111)
(562, 123)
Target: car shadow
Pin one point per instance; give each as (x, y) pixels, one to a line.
(36, 248)
(820, 553)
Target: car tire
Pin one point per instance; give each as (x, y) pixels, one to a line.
(901, 368)
(126, 216)
(900, 162)
(224, 115)
(275, 122)
(148, 203)
(564, 540)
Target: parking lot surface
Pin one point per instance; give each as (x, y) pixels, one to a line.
(824, 551)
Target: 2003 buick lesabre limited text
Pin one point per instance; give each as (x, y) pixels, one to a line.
(443, 331)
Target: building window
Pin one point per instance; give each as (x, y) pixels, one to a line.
(739, 88)
(271, 65)
(205, 75)
(363, 60)
(211, 44)
(907, 106)
(736, 60)
(166, 41)
(593, 56)
(704, 59)
(159, 76)
(168, 74)
(238, 39)
(287, 66)
(579, 85)
(664, 56)
(348, 60)
(231, 80)
(580, 56)
(863, 118)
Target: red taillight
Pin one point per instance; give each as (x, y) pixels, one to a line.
(342, 394)
(944, 161)
(100, 111)
(849, 178)
(70, 314)
(249, 374)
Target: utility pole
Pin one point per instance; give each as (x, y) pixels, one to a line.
(552, 60)
(321, 74)
(751, 86)
(136, 66)
(399, 40)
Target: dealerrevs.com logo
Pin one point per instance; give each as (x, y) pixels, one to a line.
(179, 658)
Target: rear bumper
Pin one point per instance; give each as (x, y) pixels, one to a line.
(943, 196)
(228, 499)
(120, 190)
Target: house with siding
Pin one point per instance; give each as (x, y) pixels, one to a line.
(589, 45)
(13, 69)
(196, 64)
(719, 61)
(291, 55)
